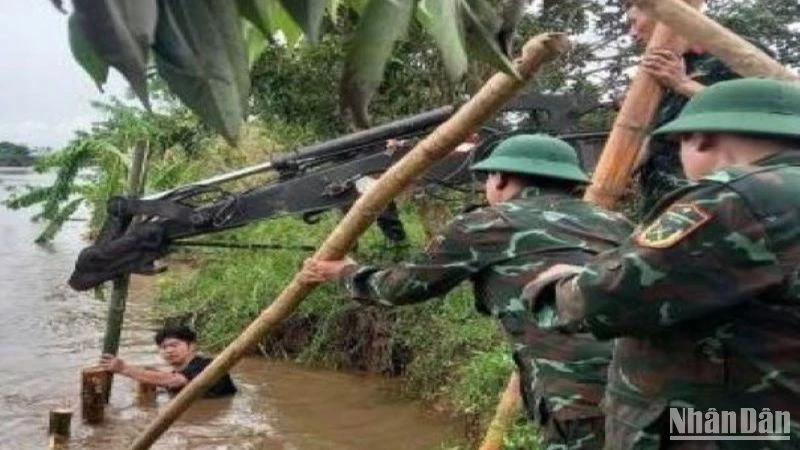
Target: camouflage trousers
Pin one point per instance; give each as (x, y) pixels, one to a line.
(576, 434)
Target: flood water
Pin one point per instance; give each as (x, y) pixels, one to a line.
(48, 333)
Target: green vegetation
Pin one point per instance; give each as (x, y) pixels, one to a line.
(203, 49)
(15, 155)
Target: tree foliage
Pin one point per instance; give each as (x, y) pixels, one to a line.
(15, 155)
(94, 166)
(293, 82)
(603, 52)
(201, 48)
(294, 86)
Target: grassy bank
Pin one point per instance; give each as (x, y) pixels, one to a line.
(445, 353)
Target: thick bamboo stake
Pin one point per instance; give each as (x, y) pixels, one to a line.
(504, 416)
(632, 124)
(119, 292)
(737, 53)
(487, 102)
(93, 386)
(146, 394)
(59, 425)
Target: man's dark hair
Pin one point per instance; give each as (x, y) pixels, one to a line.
(181, 332)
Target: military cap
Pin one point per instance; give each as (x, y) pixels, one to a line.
(757, 106)
(535, 154)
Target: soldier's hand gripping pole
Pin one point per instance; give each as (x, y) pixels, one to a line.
(737, 53)
(488, 101)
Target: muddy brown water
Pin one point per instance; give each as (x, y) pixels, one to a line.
(48, 333)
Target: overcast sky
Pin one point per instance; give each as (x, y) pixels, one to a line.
(44, 94)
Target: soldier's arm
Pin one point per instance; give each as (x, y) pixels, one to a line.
(464, 248)
(704, 254)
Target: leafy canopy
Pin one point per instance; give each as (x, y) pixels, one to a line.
(203, 49)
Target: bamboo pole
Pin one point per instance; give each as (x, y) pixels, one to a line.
(119, 292)
(632, 124)
(93, 385)
(146, 394)
(504, 416)
(59, 426)
(487, 102)
(737, 53)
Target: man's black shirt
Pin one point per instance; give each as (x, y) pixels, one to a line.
(222, 388)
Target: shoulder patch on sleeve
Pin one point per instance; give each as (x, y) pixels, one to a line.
(673, 225)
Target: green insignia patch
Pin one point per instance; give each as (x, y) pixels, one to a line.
(673, 225)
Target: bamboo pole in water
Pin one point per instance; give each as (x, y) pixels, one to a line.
(59, 426)
(93, 397)
(146, 393)
(737, 53)
(119, 292)
(487, 102)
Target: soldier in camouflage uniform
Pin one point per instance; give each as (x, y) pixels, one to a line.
(532, 223)
(682, 76)
(704, 299)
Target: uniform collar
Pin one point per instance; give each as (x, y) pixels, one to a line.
(535, 191)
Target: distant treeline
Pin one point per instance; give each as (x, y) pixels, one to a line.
(16, 155)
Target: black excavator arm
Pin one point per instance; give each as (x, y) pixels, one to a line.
(310, 181)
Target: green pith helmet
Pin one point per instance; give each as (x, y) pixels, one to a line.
(747, 106)
(535, 154)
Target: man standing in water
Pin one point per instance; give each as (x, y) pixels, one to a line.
(178, 348)
(533, 222)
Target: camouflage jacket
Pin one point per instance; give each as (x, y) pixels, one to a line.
(500, 249)
(704, 300)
